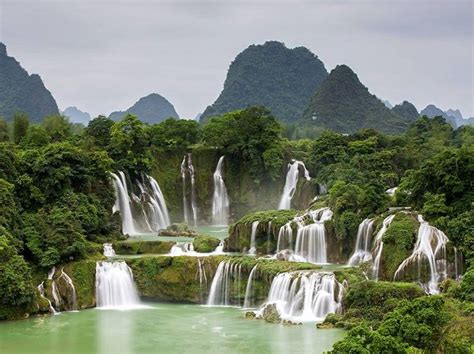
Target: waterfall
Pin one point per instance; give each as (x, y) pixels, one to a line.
(220, 201)
(153, 215)
(42, 294)
(109, 250)
(220, 248)
(226, 280)
(291, 182)
(122, 204)
(253, 248)
(71, 288)
(202, 277)
(430, 246)
(115, 288)
(379, 245)
(363, 243)
(310, 242)
(305, 296)
(159, 212)
(190, 211)
(249, 288)
(183, 248)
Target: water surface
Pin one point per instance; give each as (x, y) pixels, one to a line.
(161, 328)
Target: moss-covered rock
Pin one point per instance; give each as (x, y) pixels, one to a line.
(175, 230)
(370, 300)
(270, 314)
(205, 243)
(399, 240)
(266, 237)
(82, 273)
(142, 247)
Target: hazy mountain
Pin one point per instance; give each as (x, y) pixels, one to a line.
(22, 92)
(432, 111)
(152, 109)
(387, 103)
(270, 75)
(406, 110)
(344, 104)
(75, 115)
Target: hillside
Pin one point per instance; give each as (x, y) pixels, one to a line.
(22, 92)
(75, 115)
(406, 110)
(270, 75)
(153, 108)
(344, 104)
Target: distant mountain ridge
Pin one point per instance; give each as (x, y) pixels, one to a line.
(270, 75)
(406, 110)
(342, 103)
(152, 109)
(21, 92)
(453, 117)
(75, 115)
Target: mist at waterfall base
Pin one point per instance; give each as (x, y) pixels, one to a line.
(146, 213)
(161, 328)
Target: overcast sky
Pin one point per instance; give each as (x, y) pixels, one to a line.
(104, 55)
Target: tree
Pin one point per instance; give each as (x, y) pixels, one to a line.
(174, 134)
(4, 135)
(129, 145)
(248, 135)
(99, 130)
(20, 127)
(36, 136)
(58, 127)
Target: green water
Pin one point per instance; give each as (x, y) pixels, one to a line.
(162, 328)
(220, 232)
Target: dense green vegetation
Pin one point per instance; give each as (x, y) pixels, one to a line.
(56, 208)
(273, 76)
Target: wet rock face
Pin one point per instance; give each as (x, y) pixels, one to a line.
(271, 314)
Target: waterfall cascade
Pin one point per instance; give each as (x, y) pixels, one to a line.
(202, 277)
(115, 288)
(430, 248)
(220, 200)
(42, 294)
(363, 243)
(150, 215)
(305, 296)
(226, 281)
(253, 235)
(310, 242)
(109, 250)
(183, 248)
(291, 182)
(249, 288)
(379, 245)
(71, 289)
(189, 207)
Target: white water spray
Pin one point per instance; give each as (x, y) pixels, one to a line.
(363, 243)
(249, 288)
(379, 245)
(226, 279)
(305, 296)
(115, 288)
(253, 236)
(189, 210)
(291, 182)
(220, 200)
(430, 247)
(108, 250)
